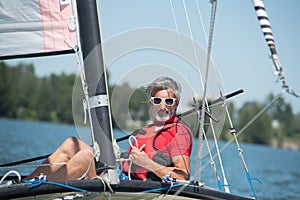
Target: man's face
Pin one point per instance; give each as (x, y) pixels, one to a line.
(163, 105)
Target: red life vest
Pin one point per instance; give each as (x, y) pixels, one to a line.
(161, 144)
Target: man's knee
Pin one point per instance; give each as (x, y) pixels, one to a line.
(72, 141)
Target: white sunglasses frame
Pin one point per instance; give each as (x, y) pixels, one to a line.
(163, 100)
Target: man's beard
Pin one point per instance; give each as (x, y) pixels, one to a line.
(162, 115)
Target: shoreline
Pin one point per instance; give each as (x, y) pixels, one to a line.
(287, 143)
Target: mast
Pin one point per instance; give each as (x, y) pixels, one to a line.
(91, 47)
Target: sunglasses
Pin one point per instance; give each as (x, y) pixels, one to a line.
(158, 100)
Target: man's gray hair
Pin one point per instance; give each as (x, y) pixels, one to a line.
(163, 83)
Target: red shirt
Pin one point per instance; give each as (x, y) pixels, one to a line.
(161, 144)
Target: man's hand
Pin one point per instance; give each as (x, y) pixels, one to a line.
(139, 158)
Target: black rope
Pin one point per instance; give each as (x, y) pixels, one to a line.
(25, 161)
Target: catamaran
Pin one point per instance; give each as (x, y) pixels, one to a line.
(52, 27)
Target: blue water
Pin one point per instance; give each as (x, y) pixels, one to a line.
(278, 169)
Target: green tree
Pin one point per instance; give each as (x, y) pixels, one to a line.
(27, 82)
(282, 112)
(129, 107)
(26, 96)
(5, 105)
(64, 98)
(258, 132)
(17, 86)
(296, 125)
(139, 106)
(119, 105)
(43, 101)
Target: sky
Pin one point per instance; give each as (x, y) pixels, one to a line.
(239, 50)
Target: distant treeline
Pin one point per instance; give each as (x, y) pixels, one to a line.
(25, 96)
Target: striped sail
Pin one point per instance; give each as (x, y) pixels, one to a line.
(36, 27)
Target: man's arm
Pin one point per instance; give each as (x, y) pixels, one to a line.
(180, 171)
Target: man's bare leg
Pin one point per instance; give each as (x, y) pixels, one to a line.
(78, 157)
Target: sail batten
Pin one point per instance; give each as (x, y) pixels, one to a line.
(34, 28)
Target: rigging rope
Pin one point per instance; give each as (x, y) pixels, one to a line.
(233, 132)
(204, 101)
(202, 24)
(43, 180)
(85, 103)
(248, 124)
(33, 165)
(191, 36)
(225, 184)
(202, 132)
(213, 164)
(236, 134)
(267, 31)
(86, 99)
(199, 157)
(175, 22)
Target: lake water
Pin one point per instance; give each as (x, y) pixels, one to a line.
(278, 169)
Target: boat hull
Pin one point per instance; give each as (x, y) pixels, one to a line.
(125, 190)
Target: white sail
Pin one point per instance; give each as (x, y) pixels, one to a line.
(36, 27)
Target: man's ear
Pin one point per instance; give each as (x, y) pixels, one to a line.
(177, 102)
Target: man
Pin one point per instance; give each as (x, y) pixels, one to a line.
(163, 147)
(167, 144)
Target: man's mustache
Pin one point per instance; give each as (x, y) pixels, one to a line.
(162, 112)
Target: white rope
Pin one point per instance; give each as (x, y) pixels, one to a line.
(87, 170)
(103, 182)
(116, 149)
(129, 170)
(191, 35)
(205, 36)
(106, 78)
(212, 162)
(204, 103)
(202, 24)
(199, 156)
(86, 105)
(232, 130)
(121, 160)
(176, 24)
(107, 183)
(11, 172)
(80, 67)
(206, 39)
(219, 156)
(136, 146)
(205, 82)
(132, 137)
(132, 146)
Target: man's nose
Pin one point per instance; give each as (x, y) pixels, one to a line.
(163, 105)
